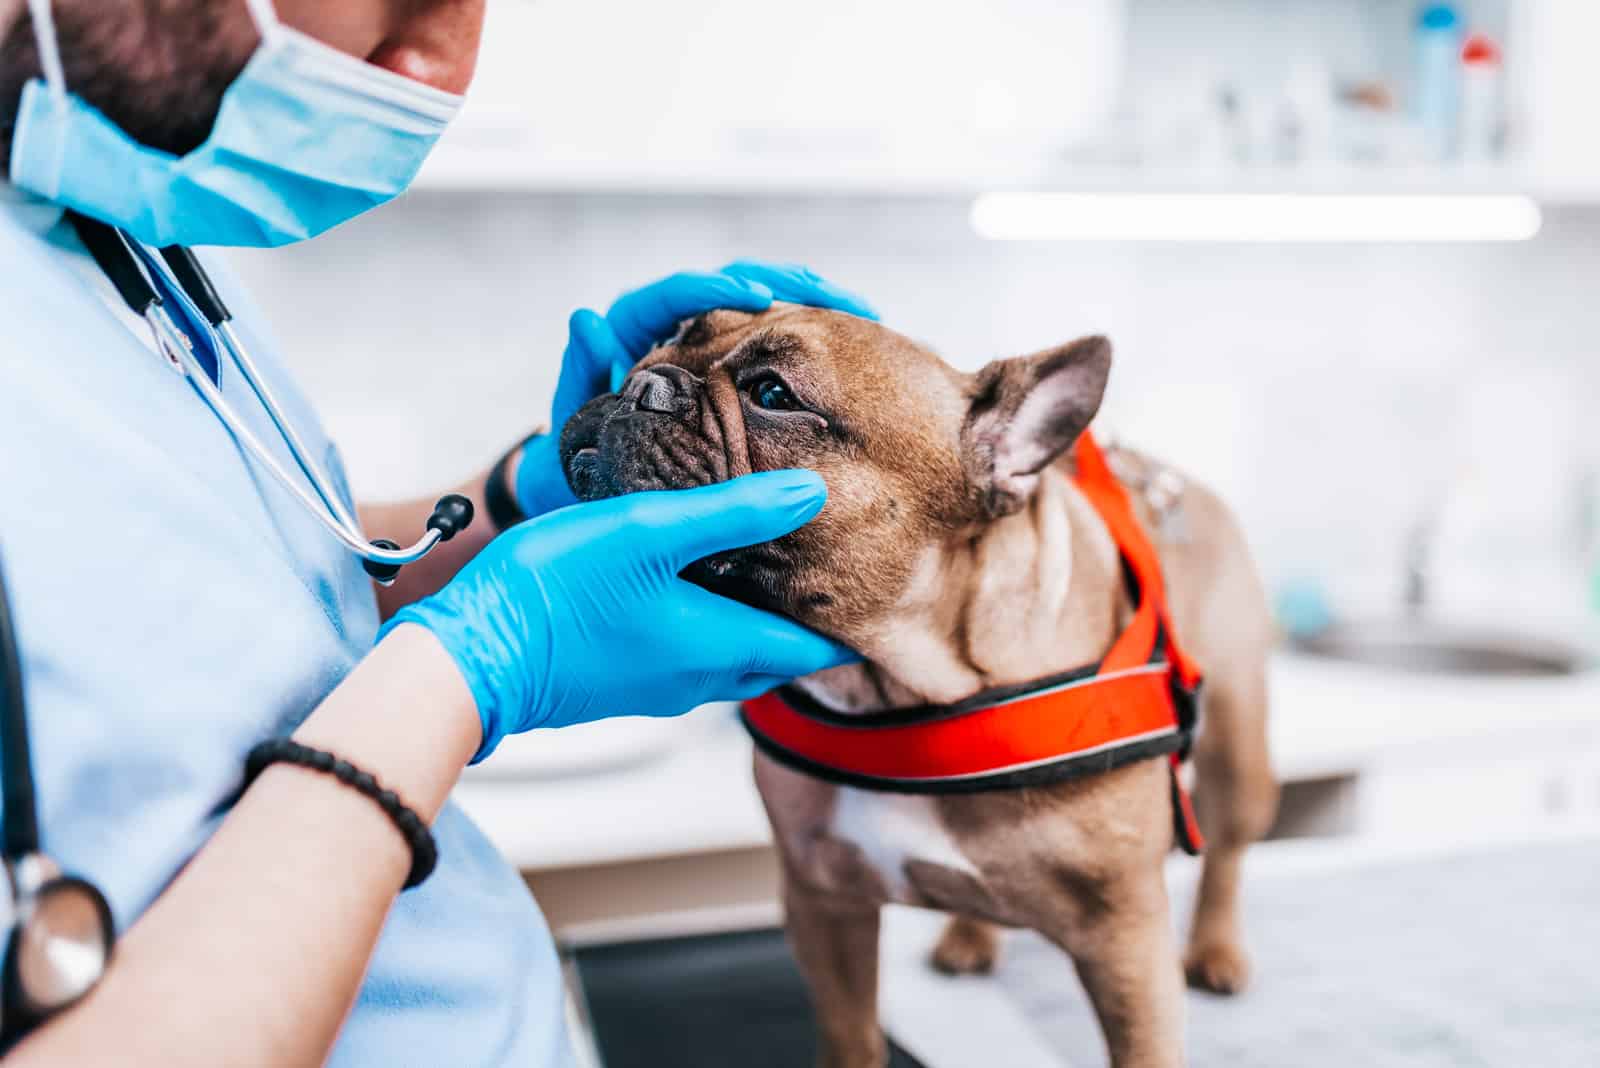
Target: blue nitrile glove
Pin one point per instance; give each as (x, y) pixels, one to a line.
(580, 614)
(602, 349)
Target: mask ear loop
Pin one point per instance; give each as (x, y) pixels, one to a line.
(264, 16)
(44, 35)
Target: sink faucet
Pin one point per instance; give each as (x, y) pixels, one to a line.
(1418, 552)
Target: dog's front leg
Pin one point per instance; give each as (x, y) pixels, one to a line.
(1119, 935)
(835, 940)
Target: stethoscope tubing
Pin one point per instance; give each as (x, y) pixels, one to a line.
(313, 471)
(20, 817)
(131, 269)
(332, 519)
(195, 286)
(135, 272)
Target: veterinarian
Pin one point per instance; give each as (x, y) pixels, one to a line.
(181, 605)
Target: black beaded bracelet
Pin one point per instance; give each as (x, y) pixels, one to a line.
(499, 498)
(424, 851)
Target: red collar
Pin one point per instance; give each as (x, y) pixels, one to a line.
(1138, 702)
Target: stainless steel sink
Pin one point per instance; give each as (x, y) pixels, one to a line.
(1436, 649)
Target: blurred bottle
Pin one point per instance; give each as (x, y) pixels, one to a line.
(1436, 92)
(1302, 606)
(1309, 111)
(1589, 528)
(1594, 586)
(1482, 99)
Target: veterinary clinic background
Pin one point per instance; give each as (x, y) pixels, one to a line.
(266, 266)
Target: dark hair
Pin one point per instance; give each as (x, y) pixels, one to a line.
(157, 68)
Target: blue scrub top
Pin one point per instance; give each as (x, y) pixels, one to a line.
(175, 606)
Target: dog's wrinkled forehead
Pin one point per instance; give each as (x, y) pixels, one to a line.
(706, 339)
(702, 331)
(835, 354)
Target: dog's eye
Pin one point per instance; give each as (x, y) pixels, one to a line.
(773, 394)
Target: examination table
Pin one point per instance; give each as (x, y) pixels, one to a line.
(1423, 956)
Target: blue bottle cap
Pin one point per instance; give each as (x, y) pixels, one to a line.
(1439, 17)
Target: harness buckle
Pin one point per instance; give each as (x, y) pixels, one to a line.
(1186, 704)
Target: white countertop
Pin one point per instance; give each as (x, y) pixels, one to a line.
(696, 793)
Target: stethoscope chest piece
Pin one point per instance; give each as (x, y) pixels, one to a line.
(61, 930)
(60, 945)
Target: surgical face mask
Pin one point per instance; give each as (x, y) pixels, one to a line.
(307, 137)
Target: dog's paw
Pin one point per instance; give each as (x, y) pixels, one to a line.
(870, 1054)
(1219, 967)
(967, 947)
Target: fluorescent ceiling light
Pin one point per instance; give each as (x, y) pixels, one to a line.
(1253, 217)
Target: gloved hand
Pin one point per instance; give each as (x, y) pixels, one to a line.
(602, 349)
(580, 614)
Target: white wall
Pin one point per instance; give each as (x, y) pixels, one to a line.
(1330, 391)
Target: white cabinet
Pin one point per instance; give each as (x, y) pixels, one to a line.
(703, 93)
(899, 96)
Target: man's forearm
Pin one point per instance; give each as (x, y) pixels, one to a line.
(256, 951)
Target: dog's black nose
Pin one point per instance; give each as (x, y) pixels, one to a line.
(664, 388)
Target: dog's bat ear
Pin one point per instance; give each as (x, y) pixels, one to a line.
(1027, 411)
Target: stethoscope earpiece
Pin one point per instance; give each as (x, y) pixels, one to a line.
(381, 573)
(451, 515)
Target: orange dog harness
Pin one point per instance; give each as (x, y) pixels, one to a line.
(1140, 701)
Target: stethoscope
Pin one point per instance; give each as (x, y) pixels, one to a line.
(130, 267)
(61, 930)
(60, 927)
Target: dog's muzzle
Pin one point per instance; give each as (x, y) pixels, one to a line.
(665, 389)
(652, 434)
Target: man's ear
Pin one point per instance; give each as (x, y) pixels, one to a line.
(1027, 411)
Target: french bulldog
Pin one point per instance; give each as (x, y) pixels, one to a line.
(956, 554)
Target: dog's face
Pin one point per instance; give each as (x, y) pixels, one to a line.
(915, 453)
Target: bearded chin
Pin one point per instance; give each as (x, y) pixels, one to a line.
(113, 54)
